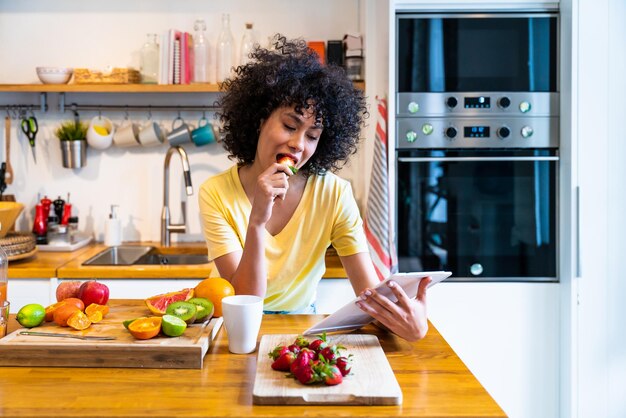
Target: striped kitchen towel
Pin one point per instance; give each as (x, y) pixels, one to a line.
(377, 216)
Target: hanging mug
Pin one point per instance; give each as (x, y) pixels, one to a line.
(151, 133)
(205, 133)
(127, 135)
(180, 134)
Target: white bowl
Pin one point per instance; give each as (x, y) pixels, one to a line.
(54, 75)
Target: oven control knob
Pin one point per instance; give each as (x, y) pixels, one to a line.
(451, 132)
(524, 107)
(504, 102)
(413, 107)
(527, 132)
(504, 132)
(452, 102)
(476, 269)
(427, 129)
(411, 136)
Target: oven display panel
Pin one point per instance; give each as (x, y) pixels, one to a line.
(481, 102)
(476, 131)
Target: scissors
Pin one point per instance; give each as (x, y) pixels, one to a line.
(30, 129)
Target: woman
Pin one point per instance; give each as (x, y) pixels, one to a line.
(267, 226)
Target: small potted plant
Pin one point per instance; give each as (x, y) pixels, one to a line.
(73, 137)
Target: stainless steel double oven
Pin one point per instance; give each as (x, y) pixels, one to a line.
(477, 146)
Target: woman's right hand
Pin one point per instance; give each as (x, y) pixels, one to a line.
(271, 184)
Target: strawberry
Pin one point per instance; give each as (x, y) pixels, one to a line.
(332, 375)
(328, 372)
(294, 348)
(301, 341)
(319, 343)
(344, 364)
(278, 351)
(303, 359)
(284, 362)
(331, 352)
(306, 375)
(289, 162)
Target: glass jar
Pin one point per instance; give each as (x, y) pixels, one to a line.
(150, 60)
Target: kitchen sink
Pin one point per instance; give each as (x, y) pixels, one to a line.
(132, 255)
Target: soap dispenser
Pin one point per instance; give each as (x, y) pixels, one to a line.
(113, 229)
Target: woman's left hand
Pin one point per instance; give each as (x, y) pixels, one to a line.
(406, 318)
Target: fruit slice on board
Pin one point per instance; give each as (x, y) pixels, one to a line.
(184, 310)
(94, 307)
(173, 326)
(159, 303)
(79, 321)
(204, 309)
(145, 328)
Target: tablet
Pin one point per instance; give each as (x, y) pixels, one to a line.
(350, 317)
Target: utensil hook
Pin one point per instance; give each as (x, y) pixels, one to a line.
(126, 113)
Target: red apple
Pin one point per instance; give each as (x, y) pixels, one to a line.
(68, 290)
(93, 292)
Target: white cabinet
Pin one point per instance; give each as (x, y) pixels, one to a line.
(507, 334)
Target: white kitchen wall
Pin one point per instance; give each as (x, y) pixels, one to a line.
(100, 34)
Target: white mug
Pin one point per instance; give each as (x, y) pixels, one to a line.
(242, 318)
(151, 134)
(100, 132)
(126, 135)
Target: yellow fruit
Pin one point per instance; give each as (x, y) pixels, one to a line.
(214, 289)
(101, 130)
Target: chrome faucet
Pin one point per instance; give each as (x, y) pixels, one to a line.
(168, 228)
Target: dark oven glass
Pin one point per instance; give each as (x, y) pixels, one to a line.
(480, 214)
(477, 53)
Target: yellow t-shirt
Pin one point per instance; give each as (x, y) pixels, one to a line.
(327, 214)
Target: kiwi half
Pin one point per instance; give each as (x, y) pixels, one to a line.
(204, 309)
(184, 310)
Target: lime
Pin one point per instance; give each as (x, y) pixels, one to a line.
(31, 315)
(173, 326)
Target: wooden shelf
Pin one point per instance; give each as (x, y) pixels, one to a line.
(110, 88)
(120, 88)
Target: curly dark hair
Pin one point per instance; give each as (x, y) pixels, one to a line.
(291, 75)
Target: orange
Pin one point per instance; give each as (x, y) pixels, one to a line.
(145, 328)
(62, 313)
(94, 307)
(50, 310)
(94, 317)
(214, 289)
(76, 302)
(78, 320)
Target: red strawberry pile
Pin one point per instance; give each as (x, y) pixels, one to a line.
(313, 361)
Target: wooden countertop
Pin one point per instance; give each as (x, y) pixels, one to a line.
(434, 383)
(68, 265)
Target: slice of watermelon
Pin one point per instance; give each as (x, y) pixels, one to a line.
(159, 303)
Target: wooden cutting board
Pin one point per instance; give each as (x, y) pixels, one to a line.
(371, 382)
(184, 352)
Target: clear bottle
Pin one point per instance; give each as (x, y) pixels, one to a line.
(248, 41)
(150, 60)
(225, 50)
(200, 53)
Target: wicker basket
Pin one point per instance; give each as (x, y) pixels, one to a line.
(116, 76)
(16, 243)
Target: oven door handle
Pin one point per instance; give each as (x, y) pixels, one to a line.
(463, 159)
